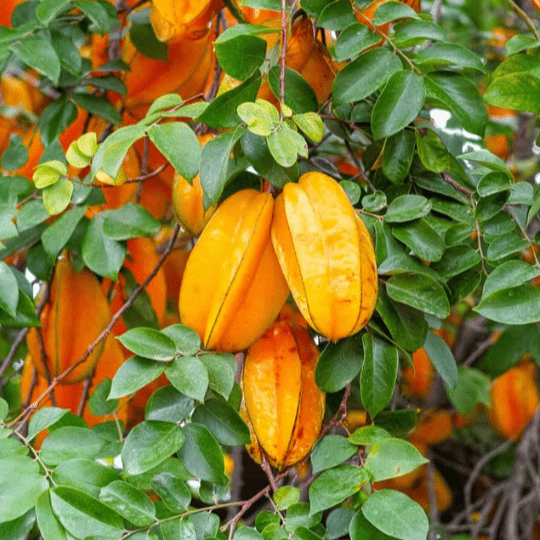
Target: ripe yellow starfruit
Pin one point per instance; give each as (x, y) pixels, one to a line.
(183, 19)
(187, 200)
(76, 313)
(233, 287)
(283, 405)
(326, 254)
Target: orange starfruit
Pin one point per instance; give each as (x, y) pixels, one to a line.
(233, 287)
(283, 404)
(75, 314)
(326, 254)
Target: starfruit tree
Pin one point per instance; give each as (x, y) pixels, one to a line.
(269, 269)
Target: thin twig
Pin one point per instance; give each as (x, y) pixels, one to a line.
(283, 54)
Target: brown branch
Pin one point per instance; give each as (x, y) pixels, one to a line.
(25, 415)
(455, 185)
(283, 53)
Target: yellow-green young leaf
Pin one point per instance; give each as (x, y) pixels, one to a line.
(282, 147)
(311, 124)
(257, 118)
(48, 173)
(76, 158)
(286, 496)
(87, 143)
(57, 196)
(272, 110)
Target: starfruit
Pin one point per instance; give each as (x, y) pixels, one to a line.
(74, 316)
(233, 287)
(326, 254)
(514, 400)
(283, 405)
(187, 200)
(183, 19)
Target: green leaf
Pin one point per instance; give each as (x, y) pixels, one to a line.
(421, 238)
(113, 150)
(441, 55)
(256, 151)
(353, 191)
(419, 291)
(168, 101)
(406, 208)
(505, 245)
(133, 374)
(21, 486)
(9, 290)
(517, 91)
(4, 409)
(57, 197)
(148, 444)
(182, 528)
(168, 405)
(456, 260)
(397, 156)
(130, 221)
(353, 40)
(47, 10)
(49, 526)
(55, 237)
(334, 486)
(282, 147)
(70, 442)
(202, 455)
(398, 104)
(101, 254)
(472, 388)
(189, 376)
(337, 523)
(299, 95)
(361, 529)
(391, 11)
(104, 20)
(214, 164)
(286, 496)
(339, 364)
(177, 142)
(432, 152)
(379, 373)
(363, 76)
(149, 343)
(97, 106)
(99, 404)
(406, 325)
(519, 43)
(85, 475)
(516, 305)
(374, 202)
(508, 275)
(336, 16)
(461, 96)
(43, 418)
(83, 516)
(221, 371)
(32, 213)
(146, 42)
(391, 458)
(186, 340)
(311, 124)
(487, 159)
(396, 515)
(397, 423)
(313, 7)
(48, 173)
(173, 492)
(331, 451)
(442, 359)
(239, 55)
(37, 52)
(129, 502)
(221, 113)
(415, 32)
(223, 421)
(369, 435)
(15, 155)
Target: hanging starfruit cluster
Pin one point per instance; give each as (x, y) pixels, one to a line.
(253, 251)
